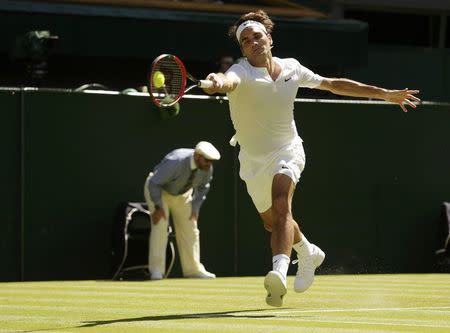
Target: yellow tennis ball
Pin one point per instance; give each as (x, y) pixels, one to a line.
(158, 79)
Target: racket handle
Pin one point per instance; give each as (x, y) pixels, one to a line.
(205, 84)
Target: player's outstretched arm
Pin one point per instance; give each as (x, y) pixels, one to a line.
(345, 87)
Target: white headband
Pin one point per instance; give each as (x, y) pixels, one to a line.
(249, 23)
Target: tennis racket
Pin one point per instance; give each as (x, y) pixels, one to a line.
(168, 79)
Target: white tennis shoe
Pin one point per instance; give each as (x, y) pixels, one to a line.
(203, 274)
(156, 275)
(309, 258)
(275, 284)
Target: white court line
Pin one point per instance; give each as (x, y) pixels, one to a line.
(356, 322)
(364, 309)
(390, 324)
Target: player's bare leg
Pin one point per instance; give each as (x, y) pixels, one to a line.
(278, 220)
(286, 235)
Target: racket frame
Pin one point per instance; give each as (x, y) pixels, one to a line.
(184, 76)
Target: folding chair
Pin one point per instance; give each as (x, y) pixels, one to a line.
(443, 254)
(445, 227)
(136, 231)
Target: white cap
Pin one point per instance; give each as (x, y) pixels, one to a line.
(207, 150)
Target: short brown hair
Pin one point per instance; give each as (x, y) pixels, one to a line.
(258, 16)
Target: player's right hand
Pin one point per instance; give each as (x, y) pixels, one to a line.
(217, 81)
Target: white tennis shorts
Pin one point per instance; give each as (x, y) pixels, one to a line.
(258, 172)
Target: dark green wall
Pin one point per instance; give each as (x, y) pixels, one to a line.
(373, 184)
(10, 166)
(369, 196)
(396, 67)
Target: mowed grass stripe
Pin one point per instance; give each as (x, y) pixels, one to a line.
(145, 308)
(206, 286)
(369, 323)
(444, 309)
(179, 284)
(200, 289)
(175, 285)
(223, 281)
(292, 321)
(309, 298)
(168, 295)
(245, 282)
(406, 316)
(374, 320)
(226, 292)
(380, 289)
(382, 316)
(189, 325)
(300, 300)
(214, 284)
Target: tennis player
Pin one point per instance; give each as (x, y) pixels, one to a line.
(261, 89)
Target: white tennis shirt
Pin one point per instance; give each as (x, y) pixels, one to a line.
(261, 109)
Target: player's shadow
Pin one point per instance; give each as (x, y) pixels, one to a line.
(224, 314)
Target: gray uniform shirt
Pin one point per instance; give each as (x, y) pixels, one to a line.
(172, 174)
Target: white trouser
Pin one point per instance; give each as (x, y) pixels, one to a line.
(186, 233)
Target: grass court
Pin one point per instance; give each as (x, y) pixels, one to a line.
(335, 303)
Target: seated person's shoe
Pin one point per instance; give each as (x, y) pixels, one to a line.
(308, 260)
(275, 284)
(202, 275)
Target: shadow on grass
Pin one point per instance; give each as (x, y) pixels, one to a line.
(204, 315)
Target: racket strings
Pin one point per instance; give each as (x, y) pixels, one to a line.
(173, 81)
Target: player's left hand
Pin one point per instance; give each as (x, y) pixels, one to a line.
(403, 98)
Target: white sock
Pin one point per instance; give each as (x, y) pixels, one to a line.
(297, 246)
(281, 263)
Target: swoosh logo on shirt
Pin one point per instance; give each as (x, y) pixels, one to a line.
(286, 80)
